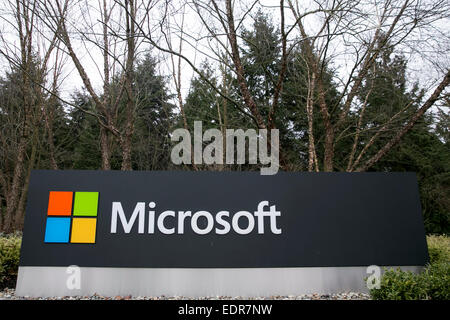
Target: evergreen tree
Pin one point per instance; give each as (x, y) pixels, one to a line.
(420, 150)
(154, 118)
(86, 131)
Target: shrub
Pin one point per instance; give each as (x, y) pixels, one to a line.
(439, 249)
(9, 259)
(437, 281)
(399, 285)
(433, 283)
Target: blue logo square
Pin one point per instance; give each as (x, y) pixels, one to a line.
(57, 230)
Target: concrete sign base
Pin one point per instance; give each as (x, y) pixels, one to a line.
(246, 282)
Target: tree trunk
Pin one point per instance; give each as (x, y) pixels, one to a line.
(246, 95)
(12, 200)
(126, 138)
(104, 146)
(329, 130)
(126, 152)
(20, 211)
(48, 119)
(310, 114)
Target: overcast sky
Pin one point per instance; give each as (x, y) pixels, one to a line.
(427, 60)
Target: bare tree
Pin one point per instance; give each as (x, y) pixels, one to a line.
(354, 24)
(118, 44)
(32, 66)
(328, 32)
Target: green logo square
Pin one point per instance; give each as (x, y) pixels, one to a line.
(85, 204)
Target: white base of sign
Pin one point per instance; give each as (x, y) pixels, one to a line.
(246, 282)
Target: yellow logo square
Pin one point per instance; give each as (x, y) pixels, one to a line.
(83, 230)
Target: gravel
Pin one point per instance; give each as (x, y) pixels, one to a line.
(9, 294)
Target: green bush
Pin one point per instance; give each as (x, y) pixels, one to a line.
(432, 284)
(399, 285)
(9, 260)
(437, 281)
(438, 249)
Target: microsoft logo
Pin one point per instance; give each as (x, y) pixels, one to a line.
(71, 217)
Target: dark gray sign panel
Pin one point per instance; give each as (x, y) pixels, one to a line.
(325, 220)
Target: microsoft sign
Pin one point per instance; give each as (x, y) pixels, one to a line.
(221, 219)
(216, 233)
